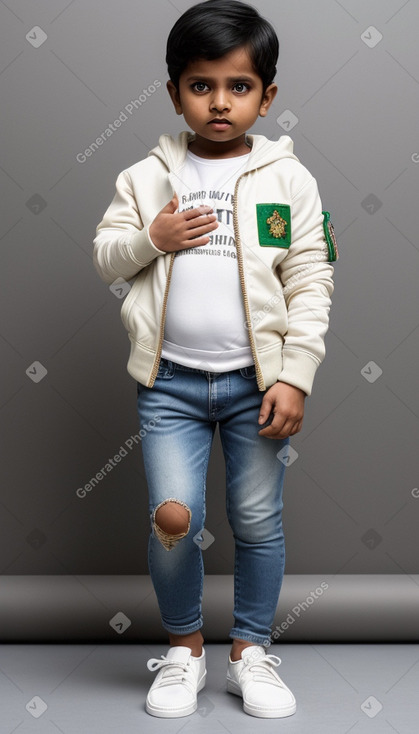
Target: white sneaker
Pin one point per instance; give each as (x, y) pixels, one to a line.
(254, 678)
(175, 688)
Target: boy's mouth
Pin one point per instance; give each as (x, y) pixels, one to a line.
(219, 123)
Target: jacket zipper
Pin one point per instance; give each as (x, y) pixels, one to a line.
(259, 375)
(162, 320)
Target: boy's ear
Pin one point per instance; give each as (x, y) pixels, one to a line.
(174, 96)
(267, 99)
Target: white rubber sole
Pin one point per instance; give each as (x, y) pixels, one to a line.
(233, 687)
(178, 712)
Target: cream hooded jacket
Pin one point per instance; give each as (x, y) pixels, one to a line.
(286, 278)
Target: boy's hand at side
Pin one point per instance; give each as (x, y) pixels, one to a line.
(171, 230)
(287, 403)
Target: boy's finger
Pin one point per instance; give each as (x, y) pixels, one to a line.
(171, 206)
(198, 212)
(197, 241)
(275, 431)
(198, 231)
(202, 221)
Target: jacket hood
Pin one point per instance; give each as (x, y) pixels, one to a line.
(172, 151)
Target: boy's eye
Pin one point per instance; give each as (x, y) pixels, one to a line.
(199, 86)
(241, 87)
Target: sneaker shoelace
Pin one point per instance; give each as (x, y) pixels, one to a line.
(174, 673)
(262, 670)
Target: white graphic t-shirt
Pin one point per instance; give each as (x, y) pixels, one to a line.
(205, 323)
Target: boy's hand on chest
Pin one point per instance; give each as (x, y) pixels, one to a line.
(172, 230)
(286, 402)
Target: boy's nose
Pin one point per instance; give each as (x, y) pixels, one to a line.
(220, 102)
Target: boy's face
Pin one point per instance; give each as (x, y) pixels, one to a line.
(220, 100)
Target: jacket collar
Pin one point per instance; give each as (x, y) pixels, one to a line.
(172, 151)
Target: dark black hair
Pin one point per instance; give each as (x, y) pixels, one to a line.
(213, 28)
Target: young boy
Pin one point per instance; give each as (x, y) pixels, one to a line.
(225, 236)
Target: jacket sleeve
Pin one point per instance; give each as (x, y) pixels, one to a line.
(306, 276)
(122, 246)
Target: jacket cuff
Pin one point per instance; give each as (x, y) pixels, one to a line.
(143, 248)
(298, 369)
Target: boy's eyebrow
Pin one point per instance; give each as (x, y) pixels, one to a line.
(244, 78)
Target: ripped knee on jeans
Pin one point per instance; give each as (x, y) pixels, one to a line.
(173, 517)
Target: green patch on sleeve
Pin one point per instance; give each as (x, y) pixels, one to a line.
(274, 225)
(330, 237)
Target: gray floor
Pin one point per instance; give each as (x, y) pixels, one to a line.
(87, 688)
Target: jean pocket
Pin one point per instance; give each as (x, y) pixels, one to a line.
(166, 369)
(248, 372)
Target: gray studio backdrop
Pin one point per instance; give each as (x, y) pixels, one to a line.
(348, 80)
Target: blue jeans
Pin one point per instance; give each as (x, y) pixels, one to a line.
(188, 403)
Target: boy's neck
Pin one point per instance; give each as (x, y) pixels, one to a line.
(212, 149)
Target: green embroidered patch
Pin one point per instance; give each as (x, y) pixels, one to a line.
(330, 237)
(274, 225)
